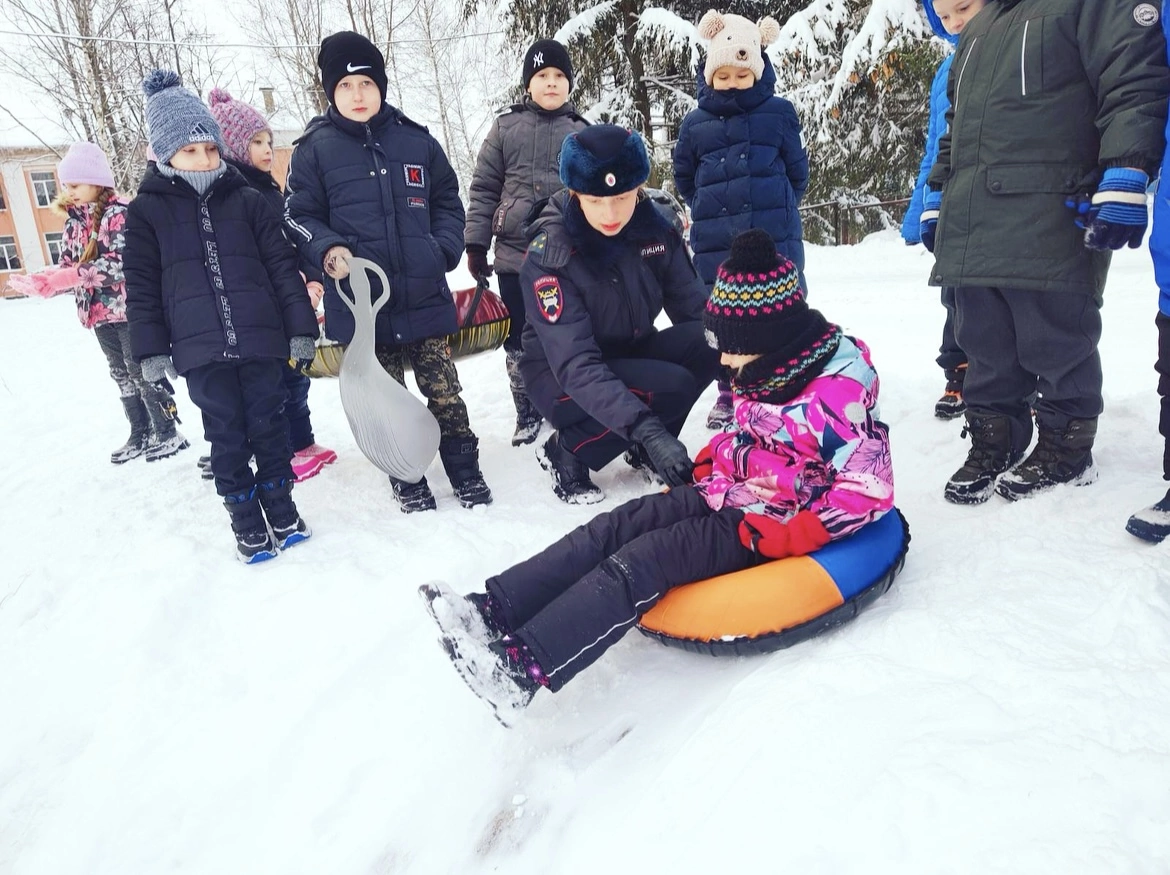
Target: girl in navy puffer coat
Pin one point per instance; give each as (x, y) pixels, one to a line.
(740, 161)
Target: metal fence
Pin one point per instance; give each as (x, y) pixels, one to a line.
(837, 223)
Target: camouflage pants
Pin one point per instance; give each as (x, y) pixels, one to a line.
(434, 371)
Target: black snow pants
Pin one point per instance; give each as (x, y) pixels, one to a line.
(575, 599)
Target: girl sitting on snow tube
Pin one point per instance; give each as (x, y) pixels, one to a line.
(808, 463)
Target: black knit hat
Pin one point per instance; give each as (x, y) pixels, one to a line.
(546, 53)
(604, 160)
(346, 54)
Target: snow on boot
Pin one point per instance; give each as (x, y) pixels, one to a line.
(205, 471)
(528, 418)
(309, 461)
(167, 440)
(722, 415)
(635, 457)
(412, 497)
(287, 526)
(571, 481)
(1153, 523)
(253, 540)
(139, 438)
(990, 456)
(1059, 457)
(164, 449)
(460, 458)
(951, 404)
(502, 672)
(476, 613)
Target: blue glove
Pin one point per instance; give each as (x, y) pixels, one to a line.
(301, 352)
(1116, 216)
(158, 367)
(928, 222)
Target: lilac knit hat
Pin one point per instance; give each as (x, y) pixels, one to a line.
(85, 163)
(238, 121)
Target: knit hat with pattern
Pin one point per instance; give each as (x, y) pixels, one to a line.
(239, 123)
(175, 116)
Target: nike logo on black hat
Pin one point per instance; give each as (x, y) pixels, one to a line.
(352, 69)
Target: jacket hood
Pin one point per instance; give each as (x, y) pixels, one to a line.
(936, 25)
(736, 101)
(255, 177)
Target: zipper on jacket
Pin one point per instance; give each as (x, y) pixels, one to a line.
(1023, 57)
(962, 70)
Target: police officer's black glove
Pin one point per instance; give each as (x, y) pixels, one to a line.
(477, 263)
(667, 453)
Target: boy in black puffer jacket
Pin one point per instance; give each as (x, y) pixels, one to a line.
(213, 292)
(367, 181)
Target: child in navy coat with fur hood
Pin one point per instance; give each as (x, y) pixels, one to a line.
(213, 292)
(740, 161)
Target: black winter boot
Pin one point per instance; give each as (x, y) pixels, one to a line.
(951, 403)
(412, 497)
(139, 438)
(1153, 523)
(1059, 457)
(990, 455)
(166, 440)
(460, 458)
(528, 418)
(287, 526)
(636, 458)
(571, 481)
(253, 541)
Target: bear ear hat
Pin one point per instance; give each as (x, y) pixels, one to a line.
(710, 24)
(769, 30)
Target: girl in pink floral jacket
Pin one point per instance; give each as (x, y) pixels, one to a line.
(91, 268)
(807, 462)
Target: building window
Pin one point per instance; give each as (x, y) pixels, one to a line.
(9, 260)
(3, 205)
(44, 186)
(53, 244)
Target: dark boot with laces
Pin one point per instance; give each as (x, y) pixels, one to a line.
(460, 457)
(253, 540)
(571, 481)
(412, 497)
(1059, 457)
(287, 526)
(990, 456)
(951, 404)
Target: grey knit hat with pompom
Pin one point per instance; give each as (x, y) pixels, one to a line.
(175, 116)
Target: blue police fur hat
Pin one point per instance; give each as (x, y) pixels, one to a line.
(604, 160)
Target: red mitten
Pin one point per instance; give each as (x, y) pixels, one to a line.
(704, 464)
(800, 535)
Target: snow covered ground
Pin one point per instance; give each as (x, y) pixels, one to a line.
(1004, 708)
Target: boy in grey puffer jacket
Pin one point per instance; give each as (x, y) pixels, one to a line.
(517, 167)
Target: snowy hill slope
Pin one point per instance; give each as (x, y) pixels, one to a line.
(1005, 708)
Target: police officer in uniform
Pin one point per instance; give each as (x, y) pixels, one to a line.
(602, 264)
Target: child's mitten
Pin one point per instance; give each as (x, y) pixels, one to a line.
(1117, 215)
(928, 221)
(157, 367)
(800, 535)
(302, 351)
(22, 283)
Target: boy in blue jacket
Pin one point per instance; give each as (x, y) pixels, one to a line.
(740, 161)
(1153, 523)
(951, 357)
(367, 181)
(213, 292)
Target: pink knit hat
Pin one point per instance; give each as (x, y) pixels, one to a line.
(238, 121)
(85, 163)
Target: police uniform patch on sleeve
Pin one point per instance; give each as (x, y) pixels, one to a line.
(549, 297)
(653, 249)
